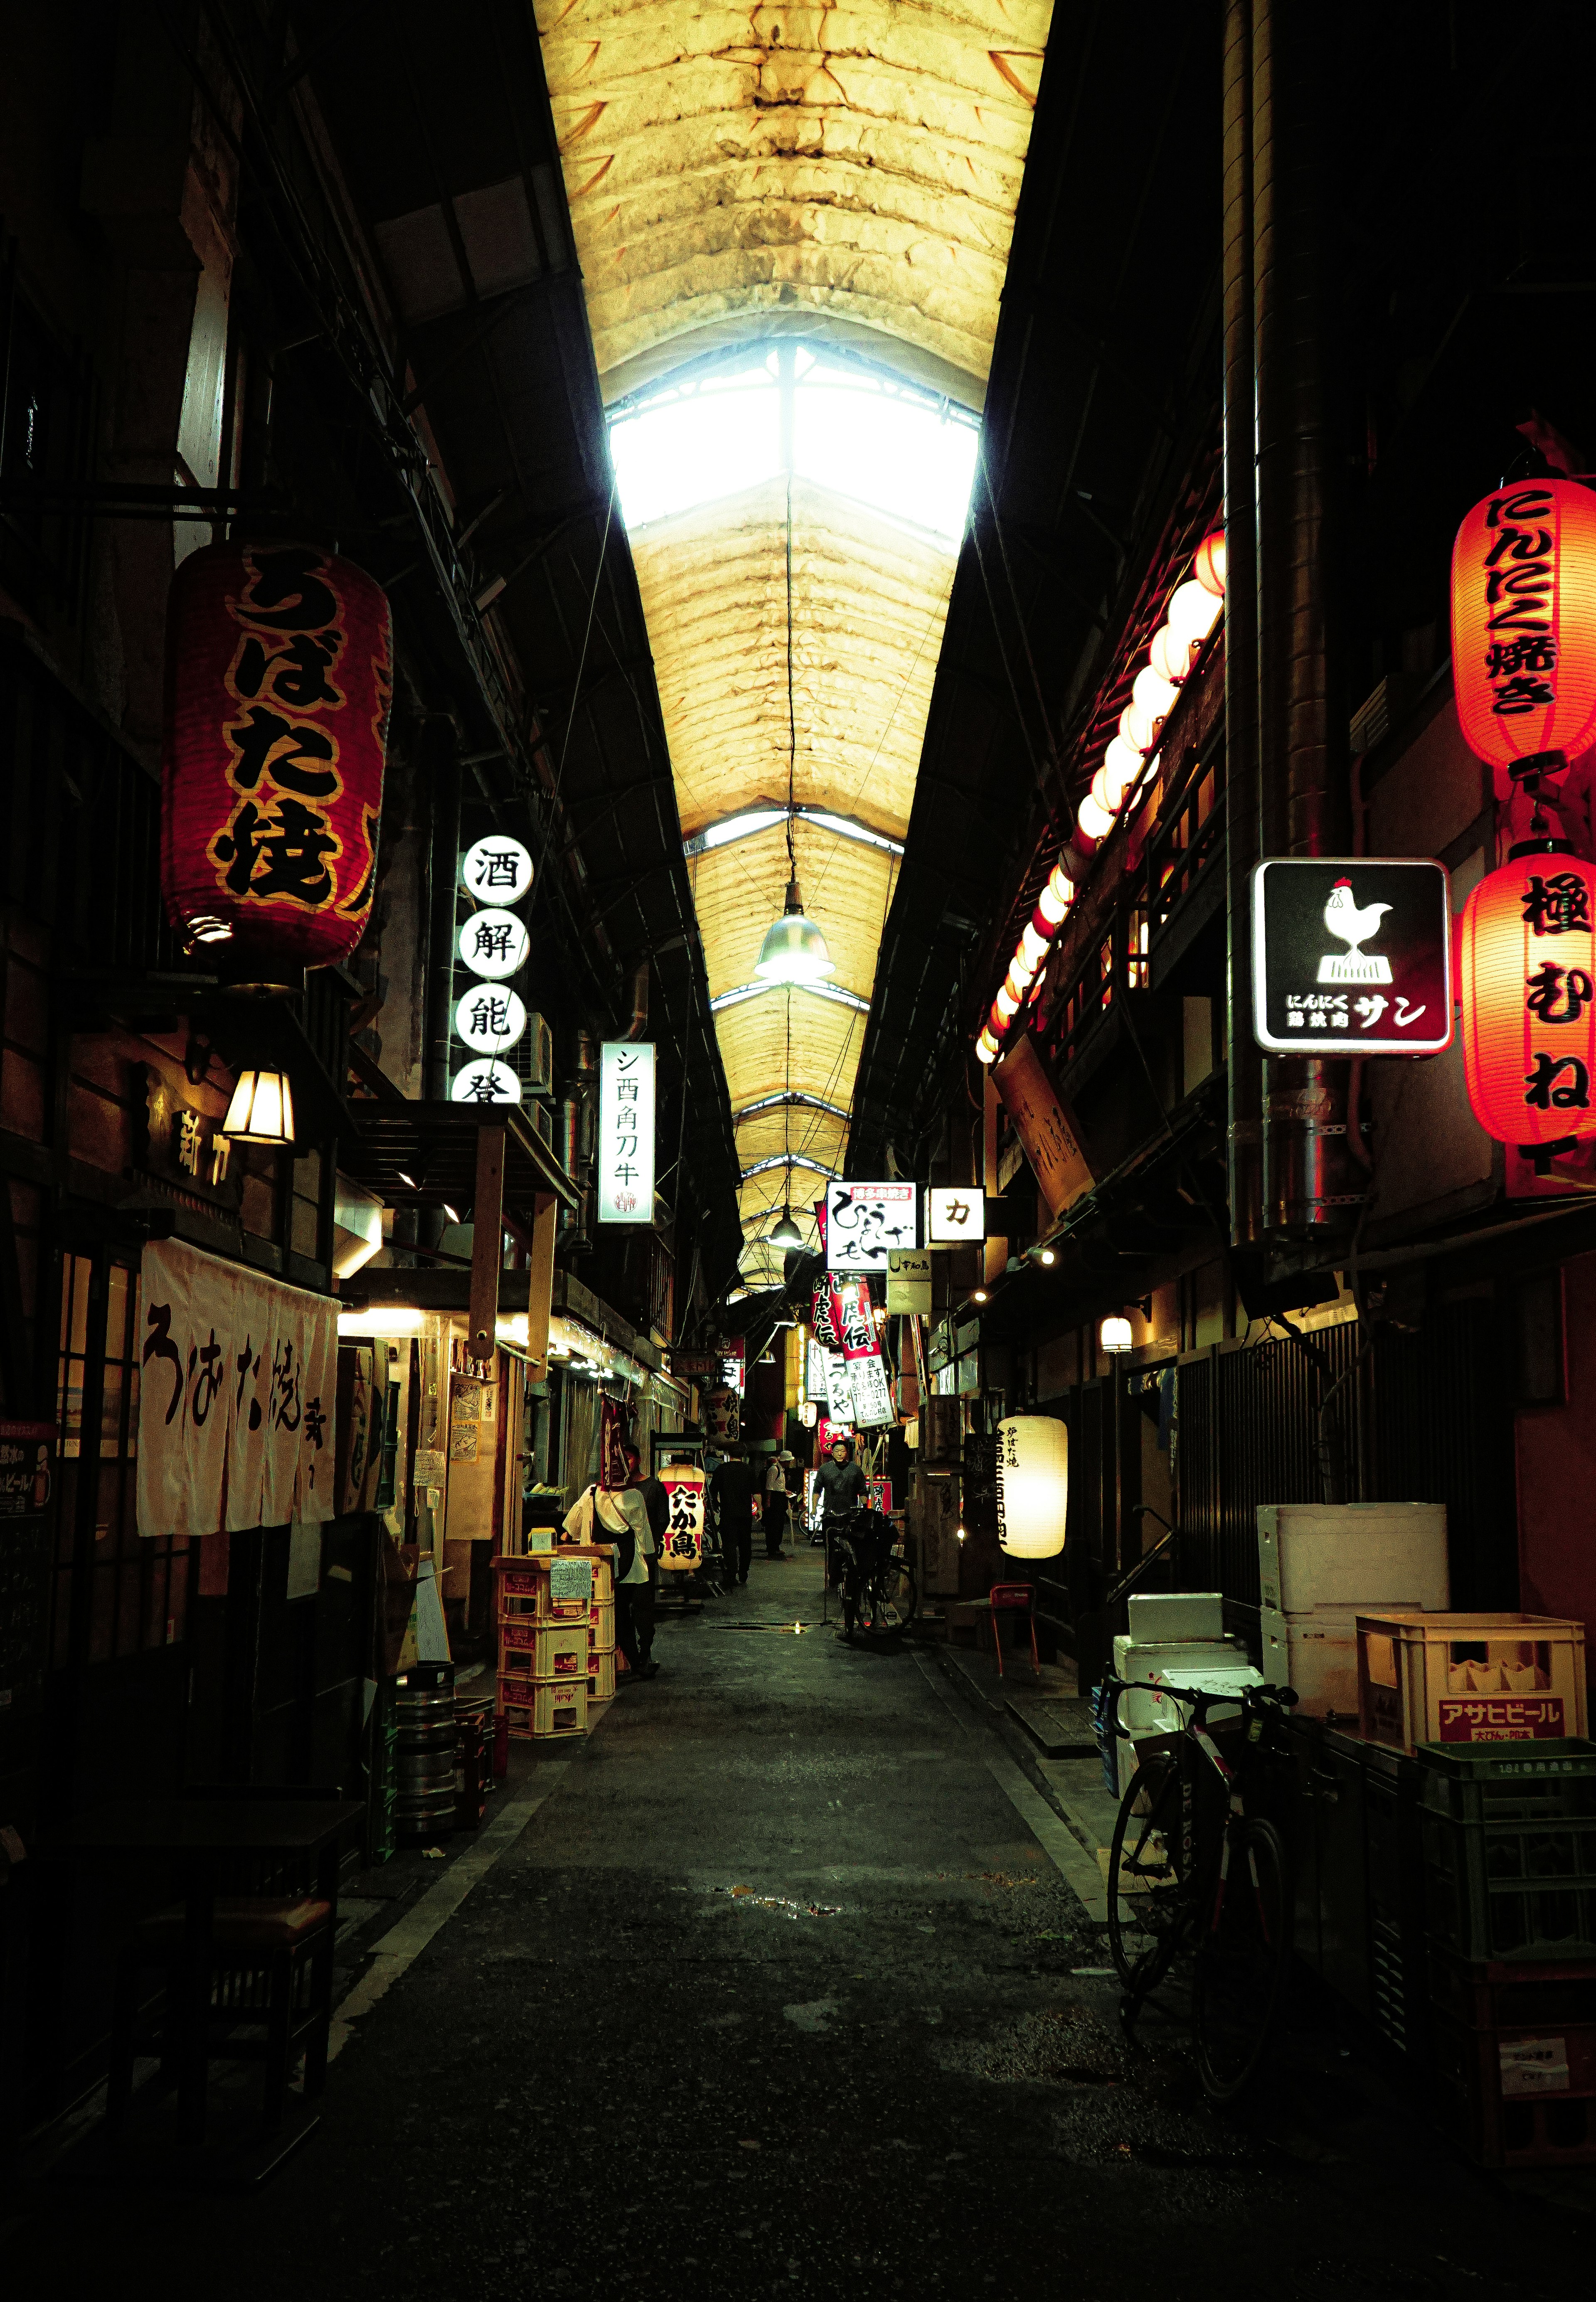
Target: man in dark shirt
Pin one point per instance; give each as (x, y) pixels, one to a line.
(656, 1503)
(842, 1486)
(733, 1488)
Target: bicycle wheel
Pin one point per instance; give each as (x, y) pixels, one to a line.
(1147, 1903)
(1240, 1965)
(890, 1599)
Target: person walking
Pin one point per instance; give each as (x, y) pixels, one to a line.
(733, 1489)
(619, 1516)
(775, 1503)
(842, 1493)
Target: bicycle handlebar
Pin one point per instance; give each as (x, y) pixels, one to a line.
(1200, 1699)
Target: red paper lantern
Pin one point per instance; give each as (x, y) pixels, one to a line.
(1523, 621)
(1527, 986)
(278, 683)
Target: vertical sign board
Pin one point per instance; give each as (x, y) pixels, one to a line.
(1351, 956)
(908, 1282)
(1047, 1132)
(864, 1221)
(627, 1132)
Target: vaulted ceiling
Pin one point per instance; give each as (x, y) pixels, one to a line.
(848, 177)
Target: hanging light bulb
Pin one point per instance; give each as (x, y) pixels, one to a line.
(794, 950)
(786, 1233)
(262, 1110)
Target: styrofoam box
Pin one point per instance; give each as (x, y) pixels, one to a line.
(1154, 1614)
(1207, 1665)
(1347, 1557)
(1316, 1655)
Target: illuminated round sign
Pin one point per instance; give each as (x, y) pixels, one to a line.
(494, 944)
(485, 1082)
(490, 1018)
(495, 870)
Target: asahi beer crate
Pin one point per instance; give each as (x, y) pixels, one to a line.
(1452, 1678)
(1518, 2094)
(543, 1651)
(600, 1676)
(558, 1588)
(534, 1708)
(601, 1628)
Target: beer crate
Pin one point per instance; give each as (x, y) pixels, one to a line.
(601, 1628)
(1463, 1679)
(543, 1651)
(600, 1676)
(534, 1708)
(1516, 2094)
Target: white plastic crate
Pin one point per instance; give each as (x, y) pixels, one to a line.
(1347, 1557)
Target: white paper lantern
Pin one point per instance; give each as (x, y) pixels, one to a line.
(1033, 1485)
(495, 870)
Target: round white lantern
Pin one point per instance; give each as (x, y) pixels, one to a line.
(495, 870)
(1033, 1485)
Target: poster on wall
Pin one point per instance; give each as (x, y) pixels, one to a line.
(236, 1397)
(872, 1392)
(864, 1221)
(627, 1132)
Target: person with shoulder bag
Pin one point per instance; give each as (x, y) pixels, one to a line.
(621, 1516)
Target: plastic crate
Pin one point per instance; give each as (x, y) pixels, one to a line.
(1456, 1679)
(600, 1676)
(1513, 1889)
(600, 1627)
(543, 1651)
(544, 1708)
(1518, 2095)
(1503, 1993)
(1509, 1782)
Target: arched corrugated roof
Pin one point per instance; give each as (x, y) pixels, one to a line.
(845, 171)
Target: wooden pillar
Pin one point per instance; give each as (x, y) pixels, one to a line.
(487, 1243)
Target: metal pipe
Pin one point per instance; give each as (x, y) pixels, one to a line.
(639, 1023)
(1243, 1067)
(1302, 777)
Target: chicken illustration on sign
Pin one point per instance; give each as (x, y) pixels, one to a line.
(1393, 1000)
(1346, 920)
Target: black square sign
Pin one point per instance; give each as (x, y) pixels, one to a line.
(1352, 955)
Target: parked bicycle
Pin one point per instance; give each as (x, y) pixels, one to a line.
(876, 1590)
(1190, 1869)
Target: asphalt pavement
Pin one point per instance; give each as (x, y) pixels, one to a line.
(771, 1987)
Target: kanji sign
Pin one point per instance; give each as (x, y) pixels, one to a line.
(851, 1317)
(1527, 995)
(872, 1393)
(1524, 634)
(490, 1018)
(495, 870)
(1047, 1132)
(955, 1215)
(493, 944)
(627, 1132)
(865, 1220)
(276, 731)
(237, 1375)
(486, 1080)
(1351, 956)
(684, 1541)
(909, 1281)
(1502, 1719)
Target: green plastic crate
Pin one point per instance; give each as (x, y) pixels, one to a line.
(1511, 1888)
(1508, 1782)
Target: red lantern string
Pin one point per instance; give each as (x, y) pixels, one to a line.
(278, 686)
(1527, 984)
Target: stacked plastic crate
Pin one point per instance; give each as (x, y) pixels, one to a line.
(600, 1636)
(544, 1602)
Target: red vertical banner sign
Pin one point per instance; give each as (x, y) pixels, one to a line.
(613, 1468)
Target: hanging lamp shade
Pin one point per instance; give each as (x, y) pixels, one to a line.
(1523, 621)
(279, 673)
(1033, 1485)
(1527, 990)
(794, 950)
(786, 1233)
(262, 1110)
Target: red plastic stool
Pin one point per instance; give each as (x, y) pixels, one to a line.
(1012, 1598)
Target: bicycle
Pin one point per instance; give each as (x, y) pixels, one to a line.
(1173, 1881)
(877, 1591)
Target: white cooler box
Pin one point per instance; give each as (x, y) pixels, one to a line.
(1216, 1665)
(1315, 1562)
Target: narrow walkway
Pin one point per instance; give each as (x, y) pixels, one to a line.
(776, 1992)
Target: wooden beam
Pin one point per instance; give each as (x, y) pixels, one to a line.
(487, 1243)
(541, 1287)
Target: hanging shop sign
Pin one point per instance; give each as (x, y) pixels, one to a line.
(1033, 1485)
(872, 1392)
(490, 1020)
(865, 1220)
(881, 1496)
(683, 1543)
(820, 1314)
(734, 1363)
(955, 1215)
(1524, 622)
(495, 870)
(613, 1470)
(279, 680)
(236, 1397)
(839, 1389)
(1351, 956)
(494, 945)
(486, 1080)
(1527, 992)
(814, 1369)
(1046, 1129)
(829, 1432)
(908, 1282)
(695, 1366)
(852, 1317)
(723, 1416)
(820, 1224)
(627, 1132)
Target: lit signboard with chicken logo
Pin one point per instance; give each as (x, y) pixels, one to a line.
(1352, 955)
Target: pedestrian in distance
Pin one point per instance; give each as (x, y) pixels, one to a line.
(733, 1487)
(776, 1501)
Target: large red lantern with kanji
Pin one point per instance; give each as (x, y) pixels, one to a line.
(1527, 987)
(682, 1547)
(278, 675)
(1523, 621)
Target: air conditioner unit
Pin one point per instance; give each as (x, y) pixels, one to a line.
(533, 1057)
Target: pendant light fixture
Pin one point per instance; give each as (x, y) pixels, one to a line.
(786, 1233)
(794, 950)
(262, 1110)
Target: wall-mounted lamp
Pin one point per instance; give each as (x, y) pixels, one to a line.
(262, 1110)
(1115, 1336)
